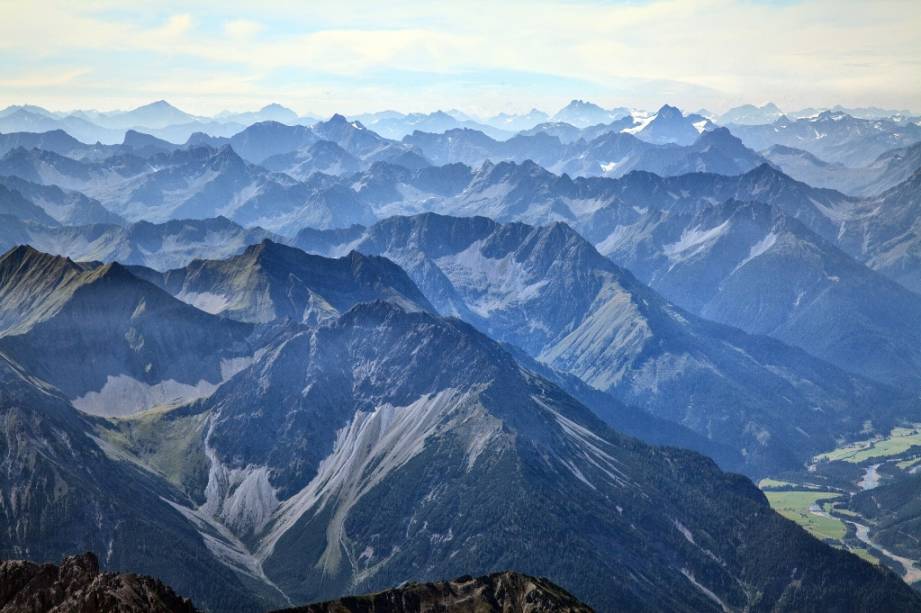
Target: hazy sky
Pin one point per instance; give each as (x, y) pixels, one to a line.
(483, 57)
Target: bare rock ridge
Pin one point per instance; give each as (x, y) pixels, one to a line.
(507, 592)
(77, 585)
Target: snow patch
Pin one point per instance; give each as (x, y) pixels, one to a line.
(608, 166)
(641, 120)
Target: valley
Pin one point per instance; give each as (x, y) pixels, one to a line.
(826, 499)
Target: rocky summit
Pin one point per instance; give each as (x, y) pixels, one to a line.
(78, 586)
(506, 592)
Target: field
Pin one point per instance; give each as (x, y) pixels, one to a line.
(767, 484)
(907, 464)
(866, 555)
(795, 506)
(898, 442)
(820, 524)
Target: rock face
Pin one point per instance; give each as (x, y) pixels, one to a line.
(77, 586)
(506, 592)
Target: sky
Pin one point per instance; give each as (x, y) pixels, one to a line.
(320, 57)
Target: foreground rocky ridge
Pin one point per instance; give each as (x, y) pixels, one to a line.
(506, 592)
(77, 585)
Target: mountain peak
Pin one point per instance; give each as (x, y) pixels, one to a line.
(263, 246)
(158, 105)
(582, 105)
(77, 584)
(227, 156)
(832, 115)
(720, 136)
(765, 170)
(272, 281)
(136, 139)
(266, 249)
(22, 252)
(27, 256)
(668, 112)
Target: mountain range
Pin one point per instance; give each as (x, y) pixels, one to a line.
(380, 408)
(871, 230)
(321, 518)
(609, 152)
(271, 282)
(886, 171)
(160, 246)
(271, 360)
(750, 114)
(548, 291)
(200, 182)
(752, 266)
(832, 136)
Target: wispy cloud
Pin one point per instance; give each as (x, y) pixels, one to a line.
(39, 80)
(699, 53)
(242, 28)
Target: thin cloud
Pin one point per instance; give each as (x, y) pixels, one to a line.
(716, 52)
